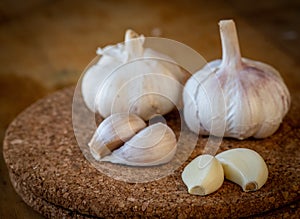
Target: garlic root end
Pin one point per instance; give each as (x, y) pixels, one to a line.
(250, 187)
(197, 190)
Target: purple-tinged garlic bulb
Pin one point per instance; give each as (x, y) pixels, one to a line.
(240, 96)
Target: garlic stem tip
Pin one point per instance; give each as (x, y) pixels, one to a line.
(226, 22)
(130, 34)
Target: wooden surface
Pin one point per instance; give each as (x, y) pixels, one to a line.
(45, 45)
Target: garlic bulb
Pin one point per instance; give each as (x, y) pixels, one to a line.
(252, 99)
(203, 175)
(113, 132)
(154, 145)
(244, 167)
(134, 79)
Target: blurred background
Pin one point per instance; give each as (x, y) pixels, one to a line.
(46, 44)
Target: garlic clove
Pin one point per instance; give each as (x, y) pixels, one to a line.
(93, 79)
(154, 145)
(113, 132)
(136, 90)
(245, 167)
(203, 175)
(254, 95)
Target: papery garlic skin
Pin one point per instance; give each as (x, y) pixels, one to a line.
(154, 145)
(145, 95)
(244, 167)
(129, 66)
(203, 175)
(252, 99)
(95, 75)
(113, 132)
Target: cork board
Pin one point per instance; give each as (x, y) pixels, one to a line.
(51, 174)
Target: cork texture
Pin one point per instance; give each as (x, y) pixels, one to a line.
(49, 171)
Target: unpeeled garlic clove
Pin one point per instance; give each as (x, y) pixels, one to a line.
(154, 145)
(244, 167)
(204, 175)
(113, 132)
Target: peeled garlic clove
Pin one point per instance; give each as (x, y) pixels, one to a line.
(154, 145)
(248, 98)
(244, 167)
(113, 132)
(204, 175)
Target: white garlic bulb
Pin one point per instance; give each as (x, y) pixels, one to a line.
(113, 132)
(252, 99)
(131, 78)
(153, 145)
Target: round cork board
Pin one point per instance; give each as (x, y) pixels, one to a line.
(50, 173)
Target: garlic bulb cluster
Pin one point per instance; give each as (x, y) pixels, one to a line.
(131, 78)
(252, 99)
(124, 139)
